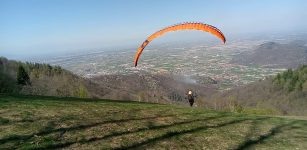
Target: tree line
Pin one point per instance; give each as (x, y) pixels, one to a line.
(292, 80)
(39, 79)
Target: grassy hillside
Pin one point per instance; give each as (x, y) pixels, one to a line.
(29, 122)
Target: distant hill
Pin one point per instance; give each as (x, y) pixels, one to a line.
(276, 55)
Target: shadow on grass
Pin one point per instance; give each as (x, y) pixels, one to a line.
(177, 133)
(114, 134)
(19, 97)
(49, 128)
(5, 121)
(275, 130)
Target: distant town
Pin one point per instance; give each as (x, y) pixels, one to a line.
(198, 62)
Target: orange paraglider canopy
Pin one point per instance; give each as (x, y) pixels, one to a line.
(183, 26)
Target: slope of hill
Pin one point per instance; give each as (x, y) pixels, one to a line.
(272, 54)
(54, 81)
(43, 80)
(285, 93)
(147, 87)
(31, 122)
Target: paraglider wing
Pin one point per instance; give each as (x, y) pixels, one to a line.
(184, 26)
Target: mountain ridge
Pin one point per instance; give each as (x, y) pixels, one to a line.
(275, 55)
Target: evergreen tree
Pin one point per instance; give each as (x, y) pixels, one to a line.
(22, 76)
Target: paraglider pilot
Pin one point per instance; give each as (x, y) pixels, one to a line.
(191, 97)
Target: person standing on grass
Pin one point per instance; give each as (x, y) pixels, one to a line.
(191, 97)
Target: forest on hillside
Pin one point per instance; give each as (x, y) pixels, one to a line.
(39, 79)
(283, 94)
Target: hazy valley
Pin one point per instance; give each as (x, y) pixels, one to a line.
(219, 65)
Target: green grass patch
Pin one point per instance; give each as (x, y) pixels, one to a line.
(36, 122)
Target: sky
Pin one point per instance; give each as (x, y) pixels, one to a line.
(43, 27)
